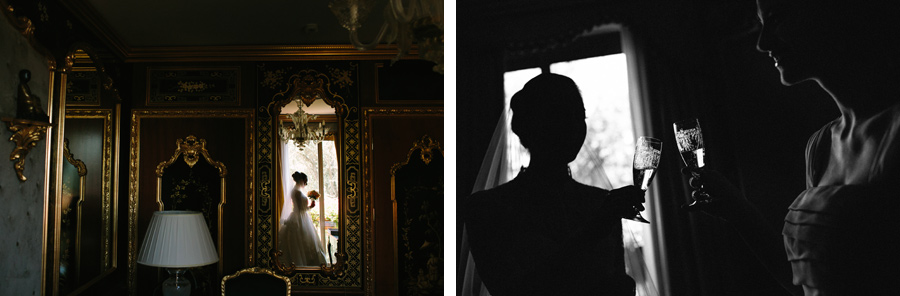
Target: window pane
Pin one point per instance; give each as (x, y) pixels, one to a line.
(603, 82)
(516, 154)
(330, 196)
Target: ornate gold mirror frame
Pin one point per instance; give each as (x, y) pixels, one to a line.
(306, 87)
(92, 131)
(96, 206)
(190, 149)
(334, 85)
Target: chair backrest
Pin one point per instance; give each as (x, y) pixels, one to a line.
(256, 281)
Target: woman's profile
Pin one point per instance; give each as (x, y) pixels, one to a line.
(543, 233)
(297, 238)
(839, 236)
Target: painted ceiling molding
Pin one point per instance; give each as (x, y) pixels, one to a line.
(87, 14)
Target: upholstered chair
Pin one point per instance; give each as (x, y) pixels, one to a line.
(256, 281)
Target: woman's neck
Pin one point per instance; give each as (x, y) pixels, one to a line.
(859, 97)
(547, 170)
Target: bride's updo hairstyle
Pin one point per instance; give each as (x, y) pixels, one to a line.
(298, 176)
(548, 116)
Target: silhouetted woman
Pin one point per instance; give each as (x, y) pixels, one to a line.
(297, 236)
(543, 233)
(840, 235)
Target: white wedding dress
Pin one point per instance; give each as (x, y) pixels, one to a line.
(297, 237)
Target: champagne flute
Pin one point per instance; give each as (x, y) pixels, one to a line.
(646, 159)
(690, 145)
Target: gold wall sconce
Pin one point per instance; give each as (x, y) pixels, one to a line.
(29, 126)
(26, 134)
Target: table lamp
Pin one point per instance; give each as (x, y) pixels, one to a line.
(177, 240)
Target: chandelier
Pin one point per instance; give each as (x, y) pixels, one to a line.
(421, 20)
(300, 131)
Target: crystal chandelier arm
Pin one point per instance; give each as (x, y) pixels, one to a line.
(400, 12)
(354, 38)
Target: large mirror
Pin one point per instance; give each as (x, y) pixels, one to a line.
(70, 223)
(308, 191)
(83, 214)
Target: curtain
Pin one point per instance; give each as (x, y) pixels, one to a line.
(492, 174)
(640, 114)
(285, 182)
(661, 94)
(693, 245)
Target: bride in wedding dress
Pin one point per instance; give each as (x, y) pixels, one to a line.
(297, 234)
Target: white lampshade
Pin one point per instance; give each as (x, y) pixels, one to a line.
(177, 239)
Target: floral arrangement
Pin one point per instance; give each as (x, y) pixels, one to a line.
(313, 195)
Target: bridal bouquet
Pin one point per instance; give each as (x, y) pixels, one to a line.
(313, 195)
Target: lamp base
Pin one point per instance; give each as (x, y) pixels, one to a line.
(176, 284)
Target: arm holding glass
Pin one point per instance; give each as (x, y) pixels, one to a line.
(715, 195)
(624, 202)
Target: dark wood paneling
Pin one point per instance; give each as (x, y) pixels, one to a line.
(408, 82)
(226, 141)
(391, 135)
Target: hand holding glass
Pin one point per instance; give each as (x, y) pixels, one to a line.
(690, 144)
(646, 160)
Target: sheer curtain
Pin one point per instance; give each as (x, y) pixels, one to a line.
(657, 279)
(492, 173)
(285, 182)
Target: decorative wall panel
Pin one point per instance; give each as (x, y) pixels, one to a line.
(194, 86)
(83, 88)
